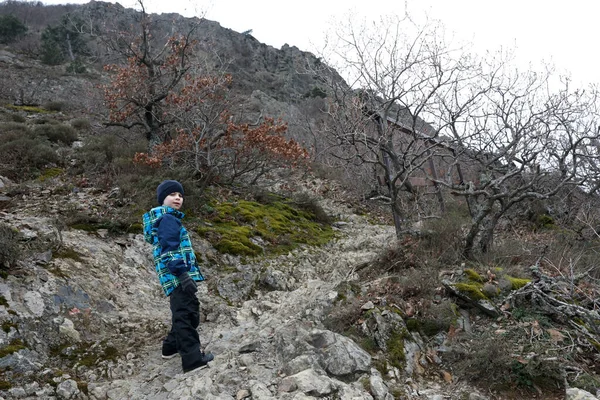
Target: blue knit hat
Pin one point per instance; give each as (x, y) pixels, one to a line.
(166, 188)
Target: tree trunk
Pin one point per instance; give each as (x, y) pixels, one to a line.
(70, 48)
(487, 237)
(476, 229)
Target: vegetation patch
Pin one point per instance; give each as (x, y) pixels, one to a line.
(28, 109)
(473, 275)
(50, 173)
(250, 228)
(85, 354)
(69, 253)
(471, 289)
(14, 346)
(517, 283)
(6, 325)
(395, 346)
(9, 246)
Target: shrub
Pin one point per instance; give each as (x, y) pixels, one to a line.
(9, 246)
(10, 28)
(55, 105)
(57, 133)
(76, 67)
(24, 155)
(18, 128)
(81, 124)
(308, 203)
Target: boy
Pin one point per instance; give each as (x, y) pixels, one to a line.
(178, 273)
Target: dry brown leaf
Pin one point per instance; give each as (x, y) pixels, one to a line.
(555, 335)
(447, 376)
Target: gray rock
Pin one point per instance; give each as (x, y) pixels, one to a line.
(378, 387)
(339, 355)
(579, 394)
(17, 392)
(67, 389)
(311, 383)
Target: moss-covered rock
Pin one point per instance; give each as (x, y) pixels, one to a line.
(237, 228)
(517, 283)
(473, 275)
(14, 346)
(472, 290)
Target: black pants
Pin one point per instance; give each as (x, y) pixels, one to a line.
(183, 337)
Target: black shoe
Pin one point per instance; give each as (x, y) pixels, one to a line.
(166, 355)
(201, 363)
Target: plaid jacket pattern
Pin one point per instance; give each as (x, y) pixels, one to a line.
(185, 252)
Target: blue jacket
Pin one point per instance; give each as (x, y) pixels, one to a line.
(172, 249)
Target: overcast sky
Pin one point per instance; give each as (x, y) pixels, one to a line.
(559, 32)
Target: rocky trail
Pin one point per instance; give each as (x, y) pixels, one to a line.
(90, 316)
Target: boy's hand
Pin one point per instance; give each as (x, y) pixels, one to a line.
(187, 283)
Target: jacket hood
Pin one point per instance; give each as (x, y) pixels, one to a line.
(151, 218)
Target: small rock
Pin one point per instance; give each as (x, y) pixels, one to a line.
(368, 306)
(67, 389)
(579, 394)
(287, 385)
(242, 394)
(17, 392)
(477, 396)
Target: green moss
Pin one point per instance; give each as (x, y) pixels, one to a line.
(517, 283)
(49, 173)
(3, 301)
(473, 290)
(28, 109)
(3, 274)
(473, 275)
(4, 385)
(544, 221)
(427, 327)
(395, 346)
(281, 227)
(14, 346)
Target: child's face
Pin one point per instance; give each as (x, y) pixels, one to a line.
(174, 200)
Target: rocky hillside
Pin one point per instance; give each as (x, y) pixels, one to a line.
(330, 306)
(83, 317)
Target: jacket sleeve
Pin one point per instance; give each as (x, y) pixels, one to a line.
(168, 232)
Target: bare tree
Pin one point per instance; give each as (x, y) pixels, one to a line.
(519, 140)
(396, 71)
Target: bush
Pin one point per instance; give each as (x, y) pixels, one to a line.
(24, 154)
(308, 203)
(9, 246)
(8, 128)
(55, 105)
(11, 117)
(81, 124)
(57, 133)
(76, 67)
(10, 28)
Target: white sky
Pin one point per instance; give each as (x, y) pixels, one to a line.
(560, 32)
